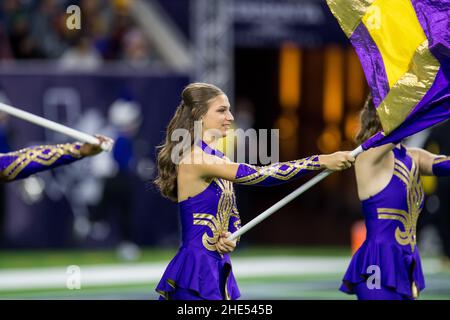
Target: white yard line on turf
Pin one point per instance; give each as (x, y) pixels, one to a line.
(141, 273)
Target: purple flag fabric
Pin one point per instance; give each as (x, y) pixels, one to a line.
(404, 49)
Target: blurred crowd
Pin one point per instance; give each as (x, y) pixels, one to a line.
(36, 29)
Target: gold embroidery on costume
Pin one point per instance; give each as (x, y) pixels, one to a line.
(165, 294)
(415, 196)
(414, 290)
(237, 223)
(440, 159)
(275, 171)
(44, 155)
(226, 208)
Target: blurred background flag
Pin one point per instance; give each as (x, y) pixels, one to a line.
(404, 50)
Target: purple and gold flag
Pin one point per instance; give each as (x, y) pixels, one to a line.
(404, 49)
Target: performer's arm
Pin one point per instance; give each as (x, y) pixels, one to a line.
(441, 166)
(23, 163)
(273, 174)
(431, 164)
(276, 173)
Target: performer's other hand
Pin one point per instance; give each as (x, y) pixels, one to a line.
(88, 149)
(337, 161)
(224, 245)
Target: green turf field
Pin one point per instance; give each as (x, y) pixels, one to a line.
(262, 273)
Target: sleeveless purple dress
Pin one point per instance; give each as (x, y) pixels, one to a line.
(198, 269)
(390, 245)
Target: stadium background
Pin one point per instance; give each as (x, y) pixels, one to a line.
(284, 64)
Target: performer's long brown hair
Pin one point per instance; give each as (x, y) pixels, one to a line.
(369, 122)
(193, 106)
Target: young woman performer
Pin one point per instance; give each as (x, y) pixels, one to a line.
(387, 265)
(202, 184)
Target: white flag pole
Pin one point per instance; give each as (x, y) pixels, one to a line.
(78, 135)
(288, 199)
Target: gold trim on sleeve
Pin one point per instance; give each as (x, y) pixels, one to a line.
(440, 159)
(44, 155)
(275, 171)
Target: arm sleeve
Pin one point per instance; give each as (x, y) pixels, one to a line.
(441, 166)
(23, 163)
(277, 173)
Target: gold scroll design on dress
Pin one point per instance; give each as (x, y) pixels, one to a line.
(275, 171)
(226, 208)
(45, 155)
(415, 196)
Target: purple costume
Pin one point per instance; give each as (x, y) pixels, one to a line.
(198, 271)
(441, 166)
(390, 246)
(23, 163)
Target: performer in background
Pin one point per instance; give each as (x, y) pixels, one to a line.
(387, 266)
(202, 184)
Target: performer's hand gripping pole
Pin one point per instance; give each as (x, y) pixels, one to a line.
(288, 199)
(78, 135)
